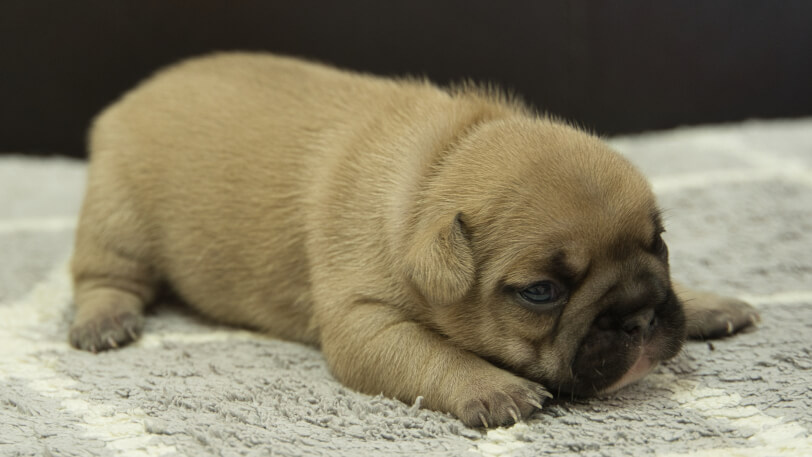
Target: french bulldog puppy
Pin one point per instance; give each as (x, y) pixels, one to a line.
(450, 244)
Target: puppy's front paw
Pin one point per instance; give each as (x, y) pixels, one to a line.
(499, 401)
(105, 329)
(711, 316)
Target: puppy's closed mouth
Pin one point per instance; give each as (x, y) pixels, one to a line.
(612, 375)
(644, 365)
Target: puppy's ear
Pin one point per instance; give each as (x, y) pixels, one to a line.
(440, 262)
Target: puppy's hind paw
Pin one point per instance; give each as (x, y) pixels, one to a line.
(104, 331)
(710, 316)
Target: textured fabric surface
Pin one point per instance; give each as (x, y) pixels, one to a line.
(738, 207)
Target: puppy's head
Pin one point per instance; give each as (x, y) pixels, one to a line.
(539, 249)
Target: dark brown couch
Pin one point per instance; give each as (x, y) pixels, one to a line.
(613, 66)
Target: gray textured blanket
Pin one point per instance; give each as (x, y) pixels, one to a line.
(738, 203)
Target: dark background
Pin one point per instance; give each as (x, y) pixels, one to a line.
(611, 66)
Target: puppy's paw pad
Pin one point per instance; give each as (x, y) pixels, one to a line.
(503, 406)
(106, 331)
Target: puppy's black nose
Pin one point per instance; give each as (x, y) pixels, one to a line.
(640, 322)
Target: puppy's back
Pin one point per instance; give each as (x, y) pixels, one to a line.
(216, 170)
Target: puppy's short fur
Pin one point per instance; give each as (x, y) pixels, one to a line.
(449, 244)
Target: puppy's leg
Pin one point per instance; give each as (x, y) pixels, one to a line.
(373, 348)
(112, 283)
(110, 293)
(709, 315)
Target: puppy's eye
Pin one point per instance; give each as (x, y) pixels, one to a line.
(542, 295)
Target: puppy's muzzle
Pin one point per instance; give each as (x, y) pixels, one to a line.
(627, 341)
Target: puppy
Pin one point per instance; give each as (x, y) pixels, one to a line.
(449, 244)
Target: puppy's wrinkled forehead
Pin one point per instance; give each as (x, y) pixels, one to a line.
(554, 187)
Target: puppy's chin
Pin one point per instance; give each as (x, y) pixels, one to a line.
(639, 361)
(641, 367)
